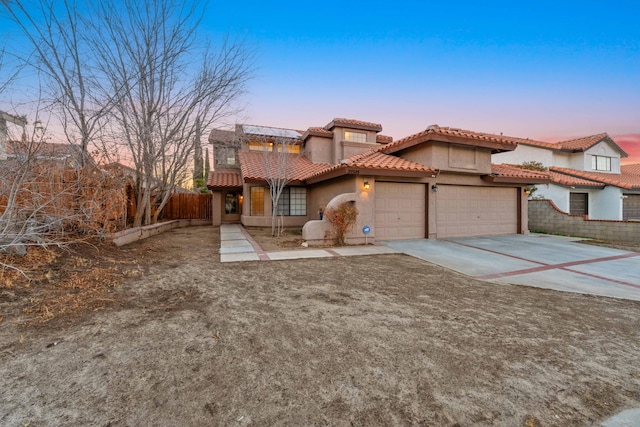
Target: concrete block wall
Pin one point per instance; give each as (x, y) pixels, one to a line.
(545, 216)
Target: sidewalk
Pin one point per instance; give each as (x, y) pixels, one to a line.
(237, 245)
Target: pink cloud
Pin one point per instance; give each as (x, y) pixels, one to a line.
(630, 144)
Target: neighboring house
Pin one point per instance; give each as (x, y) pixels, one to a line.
(435, 184)
(586, 176)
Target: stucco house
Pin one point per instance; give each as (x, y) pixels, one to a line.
(586, 176)
(435, 184)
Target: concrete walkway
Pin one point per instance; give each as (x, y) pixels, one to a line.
(238, 245)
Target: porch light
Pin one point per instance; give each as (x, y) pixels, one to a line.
(366, 185)
(434, 187)
(527, 191)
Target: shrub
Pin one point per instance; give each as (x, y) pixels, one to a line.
(342, 220)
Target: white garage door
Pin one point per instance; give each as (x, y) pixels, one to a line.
(476, 211)
(400, 211)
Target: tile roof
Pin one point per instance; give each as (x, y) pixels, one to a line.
(316, 131)
(573, 181)
(633, 169)
(354, 124)
(574, 145)
(373, 159)
(299, 168)
(224, 179)
(505, 143)
(624, 180)
(513, 171)
(384, 139)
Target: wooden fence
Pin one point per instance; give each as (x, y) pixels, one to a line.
(188, 206)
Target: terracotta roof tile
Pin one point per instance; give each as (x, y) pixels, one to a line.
(224, 179)
(633, 169)
(573, 181)
(582, 143)
(373, 159)
(316, 131)
(513, 171)
(354, 124)
(507, 143)
(624, 180)
(299, 168)
(384, 139)
(577, 144)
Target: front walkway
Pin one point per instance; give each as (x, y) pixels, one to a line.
(238, 245)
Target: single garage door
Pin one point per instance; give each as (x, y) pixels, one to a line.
(476, 211)
(400, 211)
(631, 206)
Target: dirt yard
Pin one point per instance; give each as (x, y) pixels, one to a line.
(163, 334)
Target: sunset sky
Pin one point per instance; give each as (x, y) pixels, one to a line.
(546, 69)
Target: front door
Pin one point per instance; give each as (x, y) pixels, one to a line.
(232, 206)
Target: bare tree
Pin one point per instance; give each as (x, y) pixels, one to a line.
(276, 164)
(165, 98)
(57, 34)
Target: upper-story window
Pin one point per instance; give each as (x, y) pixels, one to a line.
(289, 148)
(260, 146)
(601, 163)
(355, 136)
(225, 156)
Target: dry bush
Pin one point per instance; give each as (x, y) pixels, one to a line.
(342, 219)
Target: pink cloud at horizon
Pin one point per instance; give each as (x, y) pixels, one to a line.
(630, 144)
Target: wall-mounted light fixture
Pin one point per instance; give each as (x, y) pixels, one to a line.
(366, 185)
(527, 191)
(434, 187)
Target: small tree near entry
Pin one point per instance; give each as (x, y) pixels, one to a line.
(342, 220)
(277, 153)
(533, 166)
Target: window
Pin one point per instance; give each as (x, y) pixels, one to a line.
(600, 163)
(260, 146)
(578, 203)
(289, 148)
(257, 201)
(293, 202)
(225, 156)
(355, 136)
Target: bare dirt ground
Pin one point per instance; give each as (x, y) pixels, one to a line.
(163, 334)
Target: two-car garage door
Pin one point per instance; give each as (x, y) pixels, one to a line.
(476, 211)
(460, 211)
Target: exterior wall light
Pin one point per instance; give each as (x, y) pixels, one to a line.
(434, 187)
(527, 191)
(366, 185)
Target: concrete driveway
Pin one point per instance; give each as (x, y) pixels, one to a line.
(538, 260)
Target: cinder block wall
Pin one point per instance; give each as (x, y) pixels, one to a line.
(545, 216)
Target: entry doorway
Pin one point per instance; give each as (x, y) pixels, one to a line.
(231, 206)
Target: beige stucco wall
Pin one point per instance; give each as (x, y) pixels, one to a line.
(216, 210)
(319, 150)
(453, 157)
(346, 189)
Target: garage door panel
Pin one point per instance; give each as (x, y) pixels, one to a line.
(475, 211)
(400, 210)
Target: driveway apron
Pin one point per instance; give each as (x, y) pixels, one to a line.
(544, 261)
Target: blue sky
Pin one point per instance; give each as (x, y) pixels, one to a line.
(533, 69)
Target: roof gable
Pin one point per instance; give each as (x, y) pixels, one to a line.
(452, 135)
